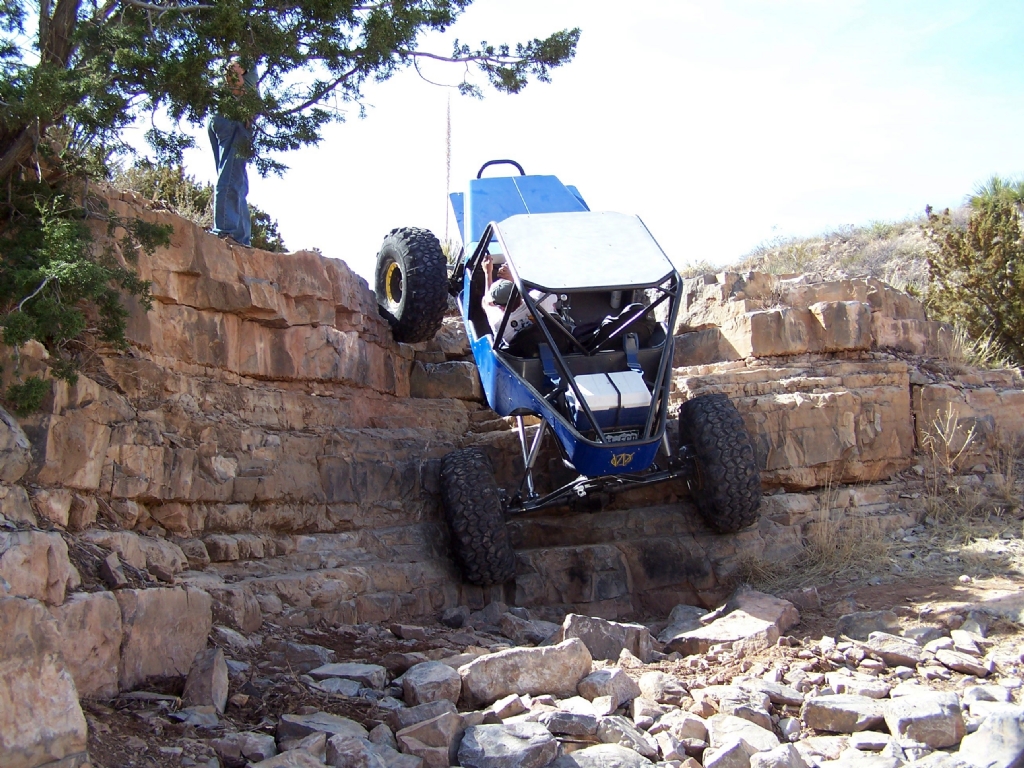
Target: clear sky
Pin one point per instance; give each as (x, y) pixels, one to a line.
(721, 123)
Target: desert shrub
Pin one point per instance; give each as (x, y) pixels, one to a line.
(171, 188)
(976, 272)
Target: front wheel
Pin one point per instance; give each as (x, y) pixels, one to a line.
(411, 284)
(726, 483)
(473, 509)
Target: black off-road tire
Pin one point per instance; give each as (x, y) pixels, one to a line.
(727, 483)
(411, 284)
(473, 509)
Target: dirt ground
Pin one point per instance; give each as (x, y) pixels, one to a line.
(127, 732)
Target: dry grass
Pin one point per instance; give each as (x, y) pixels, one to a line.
(895, 252)
(965, 353)
(833, 548)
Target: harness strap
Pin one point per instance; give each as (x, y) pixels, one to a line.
(631, 345)
(547, 361)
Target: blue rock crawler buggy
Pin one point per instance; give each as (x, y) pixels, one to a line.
(589, 360)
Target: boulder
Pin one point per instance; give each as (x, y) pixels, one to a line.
(932, 718)
(207, 682)
(723, 729)
(348, 752)
(288, 656)
(606, 639)
(962, 662)
(753, 617)
(296, 758)
(402, 718)
(434, 740)
(89, 626)
(663, 688)
(998, 742)
(235, 606)
(163, 629)
(431, 681)
(615, 729)
(578, 724)
(842, 713)
(555, 669)
(894, 650)
(602, 756)
(36, 565)
(523, 745)
(53, 504)
(683, 618)
(610, 682)
(40, 717)
(15, 504)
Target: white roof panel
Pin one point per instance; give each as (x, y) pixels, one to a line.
(567, 251)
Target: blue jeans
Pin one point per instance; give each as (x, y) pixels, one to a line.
(230, 212)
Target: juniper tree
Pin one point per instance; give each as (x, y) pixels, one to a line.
(74, 74)
(976, 273)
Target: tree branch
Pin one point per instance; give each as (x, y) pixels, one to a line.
(489, 59)
(321, 92)
(165, 8)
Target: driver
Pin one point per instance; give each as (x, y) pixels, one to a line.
(496, 297)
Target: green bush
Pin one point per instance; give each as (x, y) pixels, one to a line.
(181, 194)
(28, 396)
(976, 273)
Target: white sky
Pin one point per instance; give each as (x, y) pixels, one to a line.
(721, 123)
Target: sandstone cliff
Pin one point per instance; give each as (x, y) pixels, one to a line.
(267, 453)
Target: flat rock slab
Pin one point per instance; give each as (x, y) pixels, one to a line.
(962, 662)
(722, 729)
(842, 713)
(371, 675)
(894, 650)
(300, 726)
(932, 718)
(555, 670)
(511, 745)
(756, 619)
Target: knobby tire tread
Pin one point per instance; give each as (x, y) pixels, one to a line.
(425, 277)
(475, 518)
(728, 495)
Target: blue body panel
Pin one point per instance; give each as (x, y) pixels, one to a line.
(458, 201)
(506, 393)
(495, 199)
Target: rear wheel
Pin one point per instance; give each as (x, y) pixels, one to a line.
(475, 518)
(726, 484)
(411, 284)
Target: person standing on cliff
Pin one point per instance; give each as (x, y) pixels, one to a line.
(231, 140)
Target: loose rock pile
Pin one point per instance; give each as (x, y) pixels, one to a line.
(738, 693)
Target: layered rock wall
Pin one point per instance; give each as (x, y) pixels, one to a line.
(265, 452)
